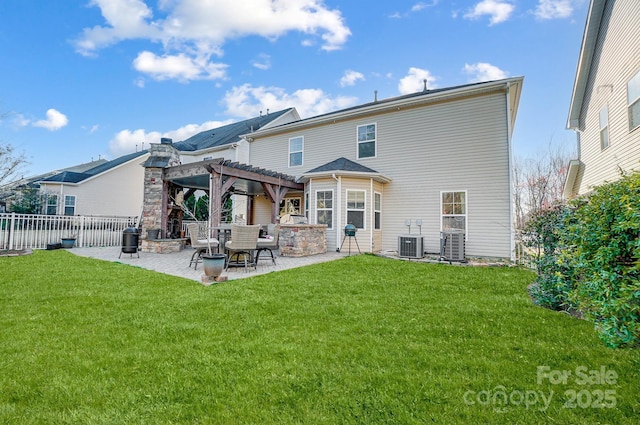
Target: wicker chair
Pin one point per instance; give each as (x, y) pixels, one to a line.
(270, 245)
(200, 242)
(244, 241)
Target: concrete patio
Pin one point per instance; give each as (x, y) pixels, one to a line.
(177, 264)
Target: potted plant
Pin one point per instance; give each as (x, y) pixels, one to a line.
(213, 264)
(69, 241)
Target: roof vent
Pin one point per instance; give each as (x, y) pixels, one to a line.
(425, 84)
(375, 95)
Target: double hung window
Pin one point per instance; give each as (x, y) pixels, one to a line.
(296, 149)
(355, 208)
(604, 127)
(377, 210)
(69, 205)
(633, 100)
(454, 211)
(324, 208)
(366, 141)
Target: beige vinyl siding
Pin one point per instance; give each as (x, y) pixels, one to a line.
(117, 192)
(459, 144)
(616, 60)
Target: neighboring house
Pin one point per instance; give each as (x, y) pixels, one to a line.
(9, 191)
(440, 156)
(116, 187)
(605, 105)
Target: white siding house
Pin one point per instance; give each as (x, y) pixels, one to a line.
(440, 156)
(114, 188)
(605, 105)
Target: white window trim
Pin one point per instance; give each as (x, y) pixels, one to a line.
(465, 215)
(634, 101)
(377, 210)
(75, 204)
(364, 209)
(375, 141)
(332, 209)
(605, 110)
(300, 151)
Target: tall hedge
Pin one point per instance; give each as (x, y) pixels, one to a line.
(591, 259)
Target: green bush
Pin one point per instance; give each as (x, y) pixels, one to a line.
(604, 248)
(588, 259)
(544, 233)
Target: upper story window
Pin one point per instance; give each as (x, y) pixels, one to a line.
(366, 141)
(604, 127)
(355, 208)
(633, 99)
(69, 205)
(324, 208)
(454, 211)
(296, 148)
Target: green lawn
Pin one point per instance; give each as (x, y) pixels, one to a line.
(359, 340)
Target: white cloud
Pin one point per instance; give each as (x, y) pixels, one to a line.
(498, 10)
(191, 31)
(554, 9)
(263, 62)
(247, 101)
(180, 67)
(482, 71)
(55, 120)
(417, 7)
(350, 77)
(414, 81)
(128, 141)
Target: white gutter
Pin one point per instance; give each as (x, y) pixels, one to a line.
(338, 208)
(512, 227)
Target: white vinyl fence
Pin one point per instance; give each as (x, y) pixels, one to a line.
(33, 231)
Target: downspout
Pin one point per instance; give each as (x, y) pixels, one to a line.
(372, 206)
(512, 229)
(60, 206)
(338, 209)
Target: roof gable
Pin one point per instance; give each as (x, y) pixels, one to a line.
(75, 177)
(342, 164)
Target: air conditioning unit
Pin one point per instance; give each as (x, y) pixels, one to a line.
(452, 245)
(410, 246)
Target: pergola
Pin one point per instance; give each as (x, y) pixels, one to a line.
(220, 178)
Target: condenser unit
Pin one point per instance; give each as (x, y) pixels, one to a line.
(452, 245)
(410, 246)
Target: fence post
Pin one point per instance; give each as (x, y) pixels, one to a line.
(81, 232)
(11, 230)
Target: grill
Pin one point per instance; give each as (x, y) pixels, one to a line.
(130, 237)
(350, 232)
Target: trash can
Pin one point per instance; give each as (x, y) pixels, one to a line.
(130, 238)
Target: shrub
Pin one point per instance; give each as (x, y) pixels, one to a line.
(589, 259)
(544, 233)
(604, 244)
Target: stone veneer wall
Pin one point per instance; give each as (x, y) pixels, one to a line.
(163, 152)
(301, 240)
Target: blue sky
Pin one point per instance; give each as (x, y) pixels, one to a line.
(82, 79)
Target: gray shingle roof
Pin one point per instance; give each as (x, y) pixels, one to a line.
(342, 164)
(75, 177)
(226, 134)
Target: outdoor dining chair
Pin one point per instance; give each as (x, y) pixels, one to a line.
(243, 243)
(268, 245)
(200, 242)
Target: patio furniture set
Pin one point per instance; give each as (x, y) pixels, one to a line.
(243, 244)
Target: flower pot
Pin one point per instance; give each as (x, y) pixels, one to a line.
(213, 264)
(68, 242)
